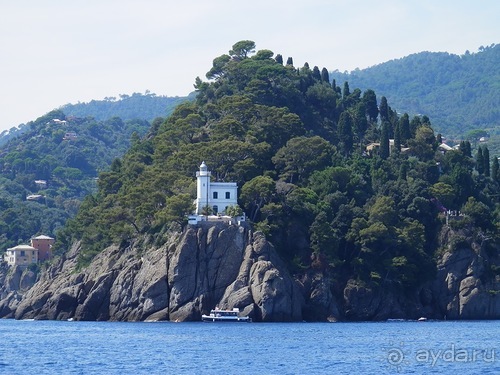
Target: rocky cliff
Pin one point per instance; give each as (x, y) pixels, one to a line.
(231, 266)
(205, 266)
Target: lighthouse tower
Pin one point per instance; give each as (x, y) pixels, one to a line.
(216, 195)
(203, 188)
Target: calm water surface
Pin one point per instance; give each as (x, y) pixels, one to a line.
(51, 347)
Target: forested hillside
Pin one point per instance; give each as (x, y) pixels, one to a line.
(459, 93)
(147, 106)
(52, 166)
(317, 173)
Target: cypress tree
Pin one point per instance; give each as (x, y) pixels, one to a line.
(397, 139)
(370, 101)
(414, 125)
(404, 128)
(495, 170)
(279, 59)
(403, 170)
(486, 158)
(345, 132)
(289, 61)
(325, 76)
(346, 92)
(384, 141)
(384, 109)
(468, 149)
(316, 73)
(480, 161)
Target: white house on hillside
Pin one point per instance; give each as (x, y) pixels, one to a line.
(217, 195)
(22, 255)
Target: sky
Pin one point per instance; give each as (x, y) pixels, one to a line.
(55, 52)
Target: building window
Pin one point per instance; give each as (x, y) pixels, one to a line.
(228, 195)
(23, 253)
(215, 210)
(216, 195)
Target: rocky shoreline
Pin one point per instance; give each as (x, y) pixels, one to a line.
(232, 266)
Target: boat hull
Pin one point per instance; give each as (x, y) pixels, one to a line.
(225, 319)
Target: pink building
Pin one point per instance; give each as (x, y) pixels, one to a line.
(44, 246)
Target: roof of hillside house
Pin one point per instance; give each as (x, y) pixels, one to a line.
(445, 147)
(23, 247)
(42, 237)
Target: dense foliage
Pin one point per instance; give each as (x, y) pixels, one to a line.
(304, 154)
(459, 93)
(147, 106)
(51, 167)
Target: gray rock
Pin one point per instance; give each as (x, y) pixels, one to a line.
(193, 271)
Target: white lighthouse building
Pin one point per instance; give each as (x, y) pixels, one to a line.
(216, 195)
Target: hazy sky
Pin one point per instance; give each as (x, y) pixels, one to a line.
(55, 52)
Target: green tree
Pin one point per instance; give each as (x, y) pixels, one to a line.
(234, 211)
(345, 133)
(384, 109)
(486, 158)
(478, 213)
(316, 73)
(495, 170)
(444, 193)
(242, 48)
(397, 139)
(370, 102)
(346, 91)
(325, 76)
(255, 193)
(301, 156)
(384, 141)
(219, 67)
(480, 161)
(404, 128)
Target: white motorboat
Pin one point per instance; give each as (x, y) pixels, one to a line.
(218, 315)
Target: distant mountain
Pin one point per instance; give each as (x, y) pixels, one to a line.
(146, 106)
(458, 93)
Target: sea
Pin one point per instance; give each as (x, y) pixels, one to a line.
(408, 347)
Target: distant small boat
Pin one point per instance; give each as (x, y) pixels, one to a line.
(422, 319)
(218, 315)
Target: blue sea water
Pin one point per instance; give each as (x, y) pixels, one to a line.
(55, 347)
